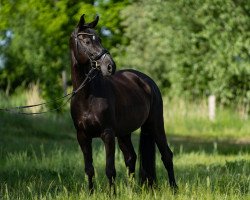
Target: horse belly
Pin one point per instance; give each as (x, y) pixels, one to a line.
(131, 118)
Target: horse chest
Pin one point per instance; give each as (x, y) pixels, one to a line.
(92, 119)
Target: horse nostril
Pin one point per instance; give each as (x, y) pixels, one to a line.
(109, 68)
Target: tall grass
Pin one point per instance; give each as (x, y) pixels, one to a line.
(191, 119)
(33, 97)
(30, 96)
(16, 99)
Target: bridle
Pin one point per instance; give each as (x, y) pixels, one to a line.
(93, 59)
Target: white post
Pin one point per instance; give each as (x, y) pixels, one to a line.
(211, 107)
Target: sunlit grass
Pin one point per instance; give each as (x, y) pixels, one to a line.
(59, 174)
(191, 119)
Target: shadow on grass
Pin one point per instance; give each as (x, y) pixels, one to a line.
(18, 132)
(195, 144)
(41, 181)
(180, 144)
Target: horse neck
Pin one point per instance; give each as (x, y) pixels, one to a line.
(78, 75)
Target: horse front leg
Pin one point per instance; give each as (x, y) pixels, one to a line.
(129, 154)
(86, 146)
(108, 138)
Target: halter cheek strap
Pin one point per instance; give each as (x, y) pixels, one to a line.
(93, 60)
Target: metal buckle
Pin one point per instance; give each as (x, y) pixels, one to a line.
(96, 66)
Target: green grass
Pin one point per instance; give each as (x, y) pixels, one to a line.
(41, 159)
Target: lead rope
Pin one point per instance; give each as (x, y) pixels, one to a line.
(18, 108)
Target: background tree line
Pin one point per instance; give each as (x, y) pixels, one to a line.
(191, 48)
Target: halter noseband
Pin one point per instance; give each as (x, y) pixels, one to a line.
(93, 60)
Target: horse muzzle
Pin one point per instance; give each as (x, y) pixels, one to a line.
(107, 65)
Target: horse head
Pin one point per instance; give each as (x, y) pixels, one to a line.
(87, 50)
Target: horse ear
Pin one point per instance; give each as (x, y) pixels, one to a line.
(82, 21)
(94, 23)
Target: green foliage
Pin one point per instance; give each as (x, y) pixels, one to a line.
(191, 48)
(36, 34)
(36, 45)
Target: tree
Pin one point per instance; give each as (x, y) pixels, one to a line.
(34, 51)
(35, 38)
(191, 48)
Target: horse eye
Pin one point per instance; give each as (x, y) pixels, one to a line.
(87, 41)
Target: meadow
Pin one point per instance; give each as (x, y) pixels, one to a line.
(41, 159)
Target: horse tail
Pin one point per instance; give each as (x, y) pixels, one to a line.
(147, 173)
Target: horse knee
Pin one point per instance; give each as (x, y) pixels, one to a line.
(89, 170)
(134, 157)
(167, 157)
(171, 155)
(108, 135)
(111, 173)
(132, 160)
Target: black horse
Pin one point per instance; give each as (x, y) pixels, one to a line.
(114, 104)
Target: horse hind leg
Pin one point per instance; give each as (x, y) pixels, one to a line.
(129, 154)
(166, 153)
(147, 172)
